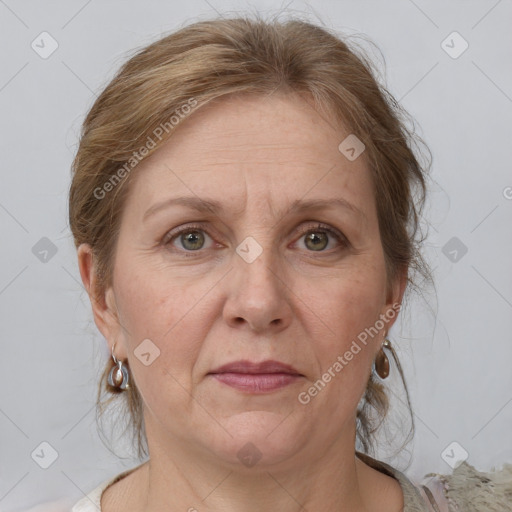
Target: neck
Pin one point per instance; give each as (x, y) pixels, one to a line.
(334, 480)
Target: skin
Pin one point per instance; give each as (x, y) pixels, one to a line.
(293, 303)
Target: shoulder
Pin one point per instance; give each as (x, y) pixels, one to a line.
(92, 502)
(464, 490)
(467, 489)
(413, 499)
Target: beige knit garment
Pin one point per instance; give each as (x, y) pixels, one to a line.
(470, 490)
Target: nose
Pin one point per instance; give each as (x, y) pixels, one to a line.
(258, 297)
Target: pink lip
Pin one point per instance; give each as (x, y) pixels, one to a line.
(256, 377)
(268, 366)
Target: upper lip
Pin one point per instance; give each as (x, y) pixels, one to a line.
(245, 366)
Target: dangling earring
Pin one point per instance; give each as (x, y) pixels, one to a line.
(118, 376)
(381, 363)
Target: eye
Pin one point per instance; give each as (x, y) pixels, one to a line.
(189, 238)
(317, 238)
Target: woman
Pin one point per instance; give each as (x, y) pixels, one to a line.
(242, 205)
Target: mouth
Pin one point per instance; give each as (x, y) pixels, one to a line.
(264, 367)
(260, 377)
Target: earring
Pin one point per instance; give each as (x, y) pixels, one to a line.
(381, 363)
(118, 376)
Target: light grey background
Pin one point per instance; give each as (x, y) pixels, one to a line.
(456, 348)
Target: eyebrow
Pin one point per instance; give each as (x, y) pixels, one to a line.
(215, 207)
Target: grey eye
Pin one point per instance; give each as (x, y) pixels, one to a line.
(192, 240)
(316, 241)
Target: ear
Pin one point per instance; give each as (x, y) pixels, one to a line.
(103, 306)
(395, 297)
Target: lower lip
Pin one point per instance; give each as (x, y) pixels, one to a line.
(258, 382)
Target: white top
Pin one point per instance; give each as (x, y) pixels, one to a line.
(91, 502)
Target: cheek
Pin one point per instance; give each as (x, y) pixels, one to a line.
(344, 314)
(344, 362)
(151, 300)
(352, 303)
(167, 313)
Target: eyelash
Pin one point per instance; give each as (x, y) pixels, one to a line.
(324, 228)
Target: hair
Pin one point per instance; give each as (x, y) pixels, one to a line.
(213, 59)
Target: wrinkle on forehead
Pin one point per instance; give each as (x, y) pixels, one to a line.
(266, 154)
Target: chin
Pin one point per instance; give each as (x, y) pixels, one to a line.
(260, 439)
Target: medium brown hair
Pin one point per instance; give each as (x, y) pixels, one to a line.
(209, 60)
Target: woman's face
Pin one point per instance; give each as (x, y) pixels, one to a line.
(279, 258)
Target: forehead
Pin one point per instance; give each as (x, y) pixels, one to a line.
(275, 148)
(276, 126)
